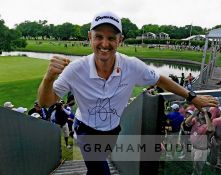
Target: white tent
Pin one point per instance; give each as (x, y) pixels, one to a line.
(195, 37)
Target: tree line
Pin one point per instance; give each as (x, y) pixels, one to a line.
(68, 31)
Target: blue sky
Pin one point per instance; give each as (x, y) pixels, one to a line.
(204, 13)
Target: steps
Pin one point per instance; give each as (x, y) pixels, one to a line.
(76, 167)
(211, 84)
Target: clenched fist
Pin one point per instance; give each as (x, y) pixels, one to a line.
(56, 66)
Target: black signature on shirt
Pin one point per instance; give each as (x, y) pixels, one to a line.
(102, 110)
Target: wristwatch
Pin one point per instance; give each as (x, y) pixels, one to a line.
(191, 96)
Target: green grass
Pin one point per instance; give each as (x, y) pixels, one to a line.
(56, 47)
(70, 154)
(142, 52)
(20, 93)
(137, 91)
(21, 68)
(162, 53)
(20, 78)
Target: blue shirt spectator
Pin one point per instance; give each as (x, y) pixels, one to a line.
(175, 118)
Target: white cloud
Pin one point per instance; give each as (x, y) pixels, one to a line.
(205, 13)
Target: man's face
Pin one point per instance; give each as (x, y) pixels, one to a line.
(104, 41)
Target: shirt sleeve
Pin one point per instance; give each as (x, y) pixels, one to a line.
(145, 74)
(61, 86)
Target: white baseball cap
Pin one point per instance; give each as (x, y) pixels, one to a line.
(20, 109)
(36, 115)
(190, 112)
(175, 106)
(106, 18)
(8, 104)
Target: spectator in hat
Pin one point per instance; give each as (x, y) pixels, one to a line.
(201, 132)
(185, 126)
(59, 116)
(102, 84)
(185, 129)
(36, 115)
(175, 118)
(188, 113)
(67, 109)
(8, 105)
(43, 112)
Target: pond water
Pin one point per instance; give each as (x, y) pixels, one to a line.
(44, 56)
(161, 67)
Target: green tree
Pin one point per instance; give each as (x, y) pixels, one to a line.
(84, 31)
(154, 28)
(10, 39)
(169, 29)
(52, 31)
(30, 29)
(44, 30)
(23, 28)
(129, 29)
(64, 31)
(217, 26)
(76, 32)
(197, 30)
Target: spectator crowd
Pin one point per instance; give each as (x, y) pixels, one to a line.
(198, 133)
(60, 113)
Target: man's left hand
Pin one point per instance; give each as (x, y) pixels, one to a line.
(201, 101)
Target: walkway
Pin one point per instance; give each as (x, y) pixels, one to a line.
(76, 167)
(215, 78)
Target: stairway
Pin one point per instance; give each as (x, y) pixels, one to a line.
(211, 82)
(76, 167)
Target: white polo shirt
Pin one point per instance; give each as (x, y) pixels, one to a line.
(101, 102)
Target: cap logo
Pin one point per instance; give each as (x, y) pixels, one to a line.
(108, 17)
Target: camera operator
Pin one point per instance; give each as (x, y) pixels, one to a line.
(174, 78)
(59, 116)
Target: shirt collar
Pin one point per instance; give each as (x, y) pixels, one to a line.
(93, 70)
(92, 67)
